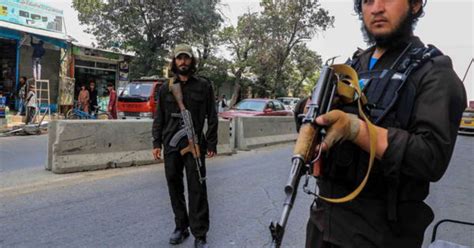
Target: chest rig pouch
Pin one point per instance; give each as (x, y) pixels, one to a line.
(390, 101)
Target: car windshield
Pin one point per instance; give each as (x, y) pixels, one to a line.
(250, 105)
(288, 101)
(142, 89)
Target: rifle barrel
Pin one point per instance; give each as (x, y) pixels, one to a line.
(291, 188)
(308, 138)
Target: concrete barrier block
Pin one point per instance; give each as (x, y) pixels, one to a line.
(98, 144)
(254, 132)
(224, 145)
(83, 145)
(52, 129)
(233, 133)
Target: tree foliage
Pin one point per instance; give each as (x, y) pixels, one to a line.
(149, 28)
(290, 23)
(305, 63)
(242, 42)
(271, 44)
(267, 48)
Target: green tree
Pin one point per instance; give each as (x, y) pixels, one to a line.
(290, 23)
(216, 70)
(270, 45)
(305, 62)
(149, 28)
(310, 83)
(242, 41)
(202, 21)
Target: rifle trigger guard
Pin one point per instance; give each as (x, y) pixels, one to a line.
(319, 154)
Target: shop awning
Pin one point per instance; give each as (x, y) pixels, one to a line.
(56, 42)
(9, 34)
(57, 39)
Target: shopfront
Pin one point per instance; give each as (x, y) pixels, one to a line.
(9, 40)
(65, 64)
(22, 22)
(97, 72)
(99, 66)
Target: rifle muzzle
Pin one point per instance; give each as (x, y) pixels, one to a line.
(295, 172)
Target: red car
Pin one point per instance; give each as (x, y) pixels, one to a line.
(257, 107)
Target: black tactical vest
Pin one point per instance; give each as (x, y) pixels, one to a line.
(390, 103)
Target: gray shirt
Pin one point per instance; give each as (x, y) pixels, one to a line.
(31, 99)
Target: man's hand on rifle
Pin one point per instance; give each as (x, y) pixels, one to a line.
(157, 153)
(340, 126)
(210, 153)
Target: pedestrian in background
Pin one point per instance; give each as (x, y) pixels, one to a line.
(222, 104)
(198, 98)
(93, 98)
(38, 53)
(83, 99)
(31, 104)
(112, 107)
(22, 94)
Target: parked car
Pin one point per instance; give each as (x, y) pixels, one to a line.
(138, 99)
(289, 102)
(467, 122)
(257, 107)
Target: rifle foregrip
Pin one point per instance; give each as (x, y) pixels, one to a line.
(306, 142)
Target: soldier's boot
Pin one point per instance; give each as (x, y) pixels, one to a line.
(200, 243)
(178, 236)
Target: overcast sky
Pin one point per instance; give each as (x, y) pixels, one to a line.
(447, 24)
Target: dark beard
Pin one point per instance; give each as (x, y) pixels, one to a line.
(399, 36)
(184, 72)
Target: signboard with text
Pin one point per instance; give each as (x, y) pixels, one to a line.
(32, 13)
(94, 53)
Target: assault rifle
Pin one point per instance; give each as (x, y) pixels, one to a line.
(304, 152)
(187, 130)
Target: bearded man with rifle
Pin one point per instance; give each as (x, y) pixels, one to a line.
(183, 105)
(384, 143)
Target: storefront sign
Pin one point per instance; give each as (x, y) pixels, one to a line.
(123, 71)
(94, 53)
(32, 13)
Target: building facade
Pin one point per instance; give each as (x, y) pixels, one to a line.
(65, 64)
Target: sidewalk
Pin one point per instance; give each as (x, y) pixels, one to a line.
(13, 121)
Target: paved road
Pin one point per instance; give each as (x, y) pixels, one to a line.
(20, 152)
(451, 197)
(130, 207)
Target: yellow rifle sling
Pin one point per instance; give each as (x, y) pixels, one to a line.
(353, 79)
